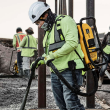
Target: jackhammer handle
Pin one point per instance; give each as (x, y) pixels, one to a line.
(106, 60)
(35, 63)
(87, 18)
(100, 64)
(29, 82)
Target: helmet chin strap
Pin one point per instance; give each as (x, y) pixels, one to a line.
(42, 19)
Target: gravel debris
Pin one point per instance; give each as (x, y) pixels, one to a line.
(12, 91)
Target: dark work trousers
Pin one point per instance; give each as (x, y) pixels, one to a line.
(19, 60)
(64, 97)
(104, 67)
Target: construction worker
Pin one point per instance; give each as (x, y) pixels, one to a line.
(29, 46)
(59, 48)
(106, 49)
(16, 41)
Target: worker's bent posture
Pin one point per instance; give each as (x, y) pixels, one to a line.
(60, 41)
(16, 41)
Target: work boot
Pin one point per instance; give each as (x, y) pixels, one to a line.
(27, 73)
(100, 81)
(20, 72)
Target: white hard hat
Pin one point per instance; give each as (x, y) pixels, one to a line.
(37, 9)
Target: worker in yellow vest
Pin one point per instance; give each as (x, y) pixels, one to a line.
(29, 46)
(60, 42)
(16, 41)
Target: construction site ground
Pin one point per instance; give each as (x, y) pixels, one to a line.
(58, 109)
(12, 90)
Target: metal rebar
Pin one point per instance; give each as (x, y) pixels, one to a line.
(60, 6)
(90, 101)
(70, 8)
(41, 71)
(56, 6)
(64, 11)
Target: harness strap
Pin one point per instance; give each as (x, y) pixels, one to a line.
(58, 26)
(81, 59)
(59, 30)
(59, 39)
(58, 35)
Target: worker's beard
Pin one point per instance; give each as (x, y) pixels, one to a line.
(48, 24)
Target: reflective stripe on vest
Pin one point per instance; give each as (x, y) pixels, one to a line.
(28, 45)
(58, 36)
(56, 46)
(18, 39)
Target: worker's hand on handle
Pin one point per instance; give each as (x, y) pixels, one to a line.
(48, 59)
(41, 62)
(37, 62)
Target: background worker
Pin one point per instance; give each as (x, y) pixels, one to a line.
(16, 41)
(59, 47)
(29, 46)
(106, 49)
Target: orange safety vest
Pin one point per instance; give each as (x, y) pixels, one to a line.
(19, 37)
